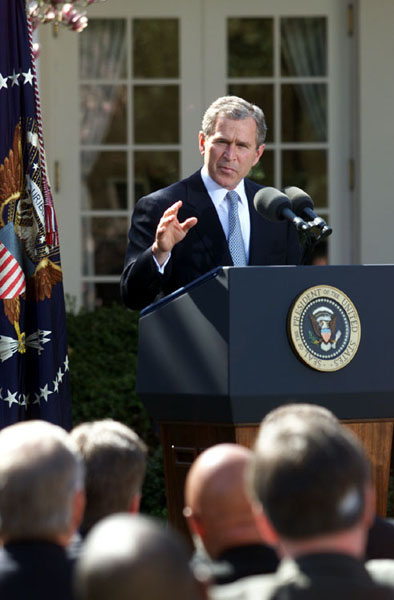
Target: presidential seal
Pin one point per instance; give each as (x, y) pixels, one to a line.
(324, 328)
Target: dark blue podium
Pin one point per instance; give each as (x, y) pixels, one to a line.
(215, 357)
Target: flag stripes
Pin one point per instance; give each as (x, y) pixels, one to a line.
(12, 278)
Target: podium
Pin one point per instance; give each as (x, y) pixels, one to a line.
(215, 357)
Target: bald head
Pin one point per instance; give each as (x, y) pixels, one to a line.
(217, 505)
(131, 557)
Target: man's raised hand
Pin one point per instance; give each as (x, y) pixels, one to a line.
(170, 231)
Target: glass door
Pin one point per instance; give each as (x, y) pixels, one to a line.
(123, 103)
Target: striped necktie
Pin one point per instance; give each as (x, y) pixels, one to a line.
(235, 239)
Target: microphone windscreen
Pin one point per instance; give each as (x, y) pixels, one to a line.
(270, 203)
(299, 199)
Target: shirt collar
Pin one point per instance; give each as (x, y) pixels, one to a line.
(218, 193)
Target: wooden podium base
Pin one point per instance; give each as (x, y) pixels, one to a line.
(182, 442)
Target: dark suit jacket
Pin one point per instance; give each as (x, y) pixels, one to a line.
(35, 570)
(243, 561)
(204, 247)
(380, 539)
(311, 577)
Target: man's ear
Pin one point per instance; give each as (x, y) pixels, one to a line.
(370, 505)
(266, 529)
(78, 509)
(134, 506)
(201, 142)
(259, 153)
(193, 522)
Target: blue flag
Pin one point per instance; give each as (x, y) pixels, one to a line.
(34, 373)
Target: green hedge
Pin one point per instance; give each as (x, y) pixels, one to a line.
(102, 352)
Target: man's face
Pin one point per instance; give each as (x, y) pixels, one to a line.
(230, 151)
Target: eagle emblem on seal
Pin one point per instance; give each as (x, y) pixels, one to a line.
(324, 323)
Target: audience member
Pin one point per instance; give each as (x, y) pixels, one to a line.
(314, 499)
(380, 543)
(130, 557)
(115, 463)
(41, 506)
(219, 513)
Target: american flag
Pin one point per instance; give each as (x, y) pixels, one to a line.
(34, 373)
(12, 277)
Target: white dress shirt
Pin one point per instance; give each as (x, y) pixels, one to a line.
(217, 194)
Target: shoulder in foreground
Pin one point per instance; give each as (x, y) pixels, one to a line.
(256, 587)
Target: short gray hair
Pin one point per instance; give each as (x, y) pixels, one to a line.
(115, 463)
(235, 108)
(40, 472)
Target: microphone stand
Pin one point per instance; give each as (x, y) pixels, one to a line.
(310, 238)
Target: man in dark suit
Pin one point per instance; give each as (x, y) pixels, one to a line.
(115, 462)
(220, 516)
(41, 506)
(314, 499)
(187, 229)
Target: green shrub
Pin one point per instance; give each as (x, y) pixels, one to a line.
(103, 353)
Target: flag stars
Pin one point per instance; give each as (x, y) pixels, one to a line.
(65, 364)
(44, 392)
(25, 400)
(3, 81)
(11, 398)
(14, 78)
(60, 375)
(28, 77)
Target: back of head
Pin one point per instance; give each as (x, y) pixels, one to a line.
(217, 505)
(115, 463)
(40, 472)
(131, 557)
(309, 474)
(233, 107)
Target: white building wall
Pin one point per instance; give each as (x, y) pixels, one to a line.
(376, 56)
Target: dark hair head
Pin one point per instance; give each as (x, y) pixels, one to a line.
(309, 474)
(115, 463)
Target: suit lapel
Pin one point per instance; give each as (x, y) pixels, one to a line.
(208, 228)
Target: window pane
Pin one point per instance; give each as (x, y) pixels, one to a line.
(306, 169)
(156, 114)
(304, 46)
(250, 47)
(104, 244)
(263, 96)
(304, 112)
(263, 172)
(103, 114)
(104, 177)
(102, 49)
(100, 294)
(155, 48)
(154, 170)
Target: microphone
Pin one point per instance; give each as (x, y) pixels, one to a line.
(275, 206)
(302, 205)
